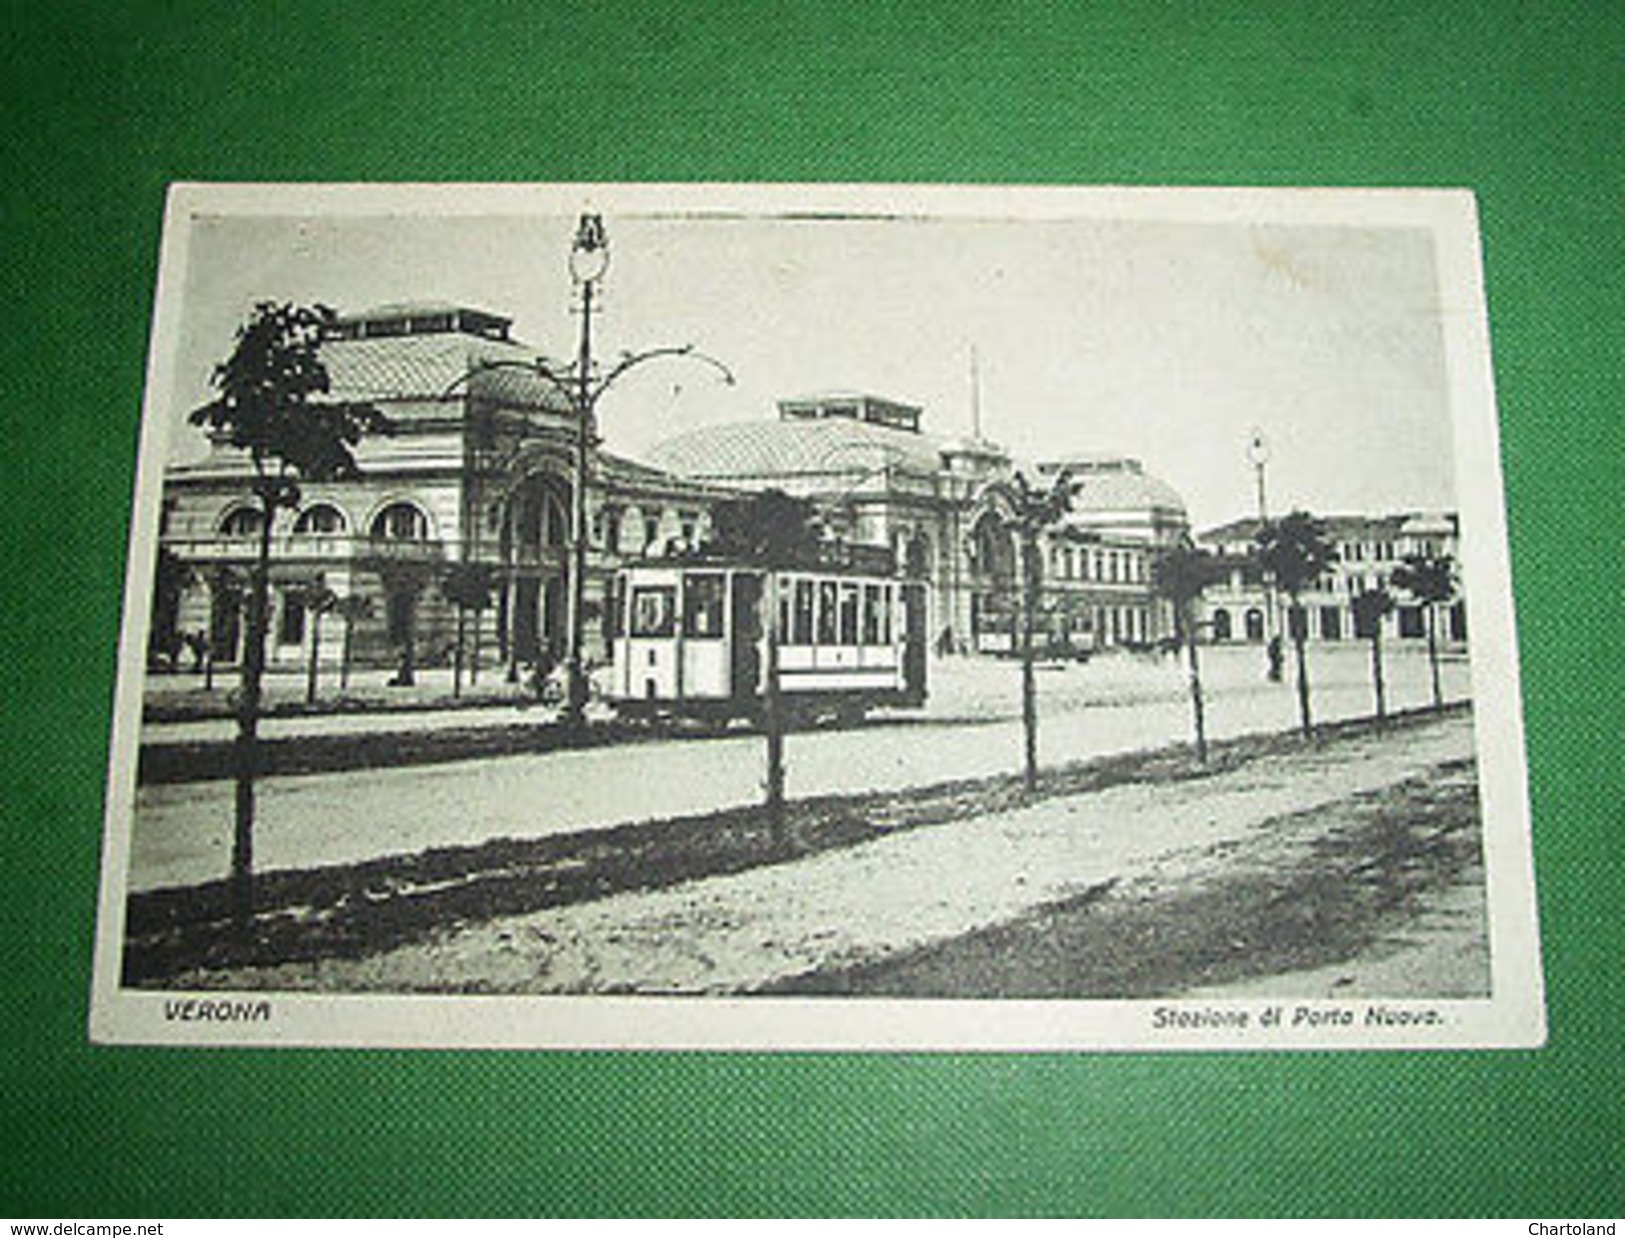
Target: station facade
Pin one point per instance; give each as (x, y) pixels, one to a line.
(877, 478)
(478, 468)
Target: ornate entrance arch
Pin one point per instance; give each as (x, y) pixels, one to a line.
(534, 540)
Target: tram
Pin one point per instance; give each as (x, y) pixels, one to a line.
(689, 640)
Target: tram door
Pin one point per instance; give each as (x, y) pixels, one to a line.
(745, 658)
(914, 648)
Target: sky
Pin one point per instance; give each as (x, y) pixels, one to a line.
(1167, 341)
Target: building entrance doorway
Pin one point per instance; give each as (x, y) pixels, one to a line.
(538, 618)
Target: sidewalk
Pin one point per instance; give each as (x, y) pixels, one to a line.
(749, 930)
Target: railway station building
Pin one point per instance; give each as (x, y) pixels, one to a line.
(478, 468)
(877, 478)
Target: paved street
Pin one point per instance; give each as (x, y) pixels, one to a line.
(182, 832)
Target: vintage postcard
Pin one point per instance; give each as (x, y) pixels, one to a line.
(818, 617)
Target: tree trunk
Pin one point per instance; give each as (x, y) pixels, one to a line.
(1303, 686)
(1029, 683)
(457, 655)
(246, 752)
(315, 652)
(1433, 659)
(344, 653)
(1196, 691)
(1376, 669)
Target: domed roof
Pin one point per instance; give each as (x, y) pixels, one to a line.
(1115, 484)
(793, 447)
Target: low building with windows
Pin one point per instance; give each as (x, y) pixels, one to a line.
(478, 468)
(1241, 608)
(878, 480)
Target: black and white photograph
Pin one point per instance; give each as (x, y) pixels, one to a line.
(818, 617)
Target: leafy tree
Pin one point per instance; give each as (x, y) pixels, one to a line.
(1181, 575)
(1370, 608)
(468, 587)
(272, 404)
(352, 607)
(1296, 551)
(770, 529)
(317, 599)
(1026, 510)
(1431, 580)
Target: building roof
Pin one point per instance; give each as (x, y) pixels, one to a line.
(437, 367)
(764, 449)
(1108, 483)
(1342, 528)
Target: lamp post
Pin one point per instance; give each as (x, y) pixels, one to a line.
(581, 389)
(589, 259)
(1258, 455)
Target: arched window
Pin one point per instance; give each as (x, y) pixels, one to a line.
(1255, 625)
(1221, 625)
(539, 514)
(242, 522)
(320, 518)
(401, 522)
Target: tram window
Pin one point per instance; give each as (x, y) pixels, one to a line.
(801, 623)
(702, 605)
(849, 614)
(654, 611)
(827, 619)
(874, 606)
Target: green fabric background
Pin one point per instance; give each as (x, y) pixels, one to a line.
(104, 104)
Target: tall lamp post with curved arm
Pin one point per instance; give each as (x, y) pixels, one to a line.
(582, 388)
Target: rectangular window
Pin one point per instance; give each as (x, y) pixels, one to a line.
(849, 614)
(1331, 623)
(702, 605)
(874, 601)
(801, 622)
(827, 617)
(654, 610)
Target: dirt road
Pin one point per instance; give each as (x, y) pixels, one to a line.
(1284, 863)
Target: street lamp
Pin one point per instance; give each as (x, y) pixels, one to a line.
(1258, 455)
(589, 259)
(581, 390)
